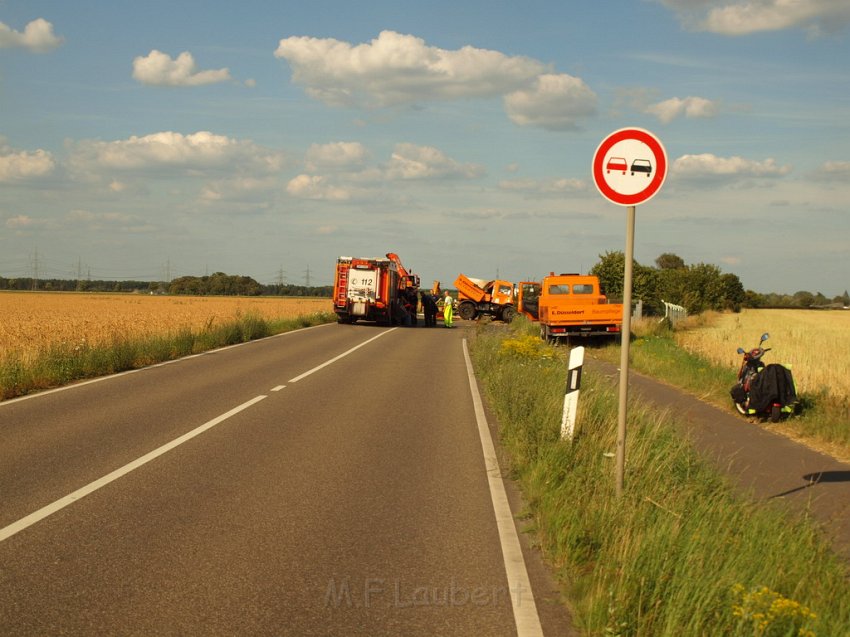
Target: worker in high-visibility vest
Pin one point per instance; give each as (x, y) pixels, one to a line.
(448, 309)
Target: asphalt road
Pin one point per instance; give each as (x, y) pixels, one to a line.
(330, 481)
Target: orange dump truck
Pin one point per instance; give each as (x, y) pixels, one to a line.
(485, 298)
(569, 305)
(374, 289)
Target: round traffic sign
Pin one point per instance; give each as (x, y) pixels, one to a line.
(629, 166)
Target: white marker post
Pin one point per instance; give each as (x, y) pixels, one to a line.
(629, 167)
(568, 420)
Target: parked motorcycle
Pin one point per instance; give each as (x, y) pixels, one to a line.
(763, 390)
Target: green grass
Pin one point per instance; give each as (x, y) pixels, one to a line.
(64, 364)
(680, 553)
(819, 418)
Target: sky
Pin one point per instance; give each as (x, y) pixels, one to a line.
(157, 139)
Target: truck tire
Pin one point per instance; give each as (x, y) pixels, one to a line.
(508, 313)
(466, 310)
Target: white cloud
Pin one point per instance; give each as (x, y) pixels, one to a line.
(553, 102)
(88, 218)
(194, 152)
(347, 176)
(544, 187)
(22, 222)
(316, 187)
(731, 17)
(690, 107)
(835, 170)
(409, 161)
(22, 165)
(398, 69)
(37, 37)
(158, 69)
(707, 165)
(250, 193)
(336, 156)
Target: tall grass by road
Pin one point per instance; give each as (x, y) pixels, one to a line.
(680, 553)
(61, 362)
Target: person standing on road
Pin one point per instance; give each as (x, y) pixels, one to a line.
(448, 309)
(429, 308)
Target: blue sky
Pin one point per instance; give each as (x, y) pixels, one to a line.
(266, 138)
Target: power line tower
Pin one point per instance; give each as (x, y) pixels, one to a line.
(307, 276)
(35, 270)
(281, 279)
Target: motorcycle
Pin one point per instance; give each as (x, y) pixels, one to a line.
(763, 390)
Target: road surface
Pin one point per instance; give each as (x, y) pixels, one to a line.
(330, 481)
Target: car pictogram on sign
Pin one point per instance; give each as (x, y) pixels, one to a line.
(617, 163)
(642, 166)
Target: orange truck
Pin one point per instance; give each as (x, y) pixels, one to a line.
(485, 298)
(569, 305)
(374, 289)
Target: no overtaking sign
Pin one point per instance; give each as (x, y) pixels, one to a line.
(629, 166)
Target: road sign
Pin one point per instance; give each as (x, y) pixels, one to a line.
(629, 166)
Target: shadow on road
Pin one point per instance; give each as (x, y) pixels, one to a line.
(817, 478)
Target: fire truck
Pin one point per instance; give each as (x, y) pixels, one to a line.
(374, 289)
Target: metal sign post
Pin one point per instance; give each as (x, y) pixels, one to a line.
(629, 167)
(624, 350)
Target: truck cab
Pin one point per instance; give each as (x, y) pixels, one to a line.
(569, 305)
(476, 297)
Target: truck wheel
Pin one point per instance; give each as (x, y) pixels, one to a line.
(509, 313)
(466, 310)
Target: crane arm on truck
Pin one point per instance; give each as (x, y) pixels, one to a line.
(411, 279)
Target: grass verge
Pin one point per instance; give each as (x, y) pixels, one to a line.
(820, 421)
(63, 364)
(680, 553)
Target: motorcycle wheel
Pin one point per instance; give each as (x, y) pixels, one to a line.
(741, 409)
(775, 412)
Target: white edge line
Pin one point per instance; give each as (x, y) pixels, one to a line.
(50, 509)
(524, 607)
(336, 358)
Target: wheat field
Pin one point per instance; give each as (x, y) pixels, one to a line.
(33, 322)
(816, 344)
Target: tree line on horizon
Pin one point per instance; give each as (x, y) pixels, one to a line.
(217, 284)
(696, 287)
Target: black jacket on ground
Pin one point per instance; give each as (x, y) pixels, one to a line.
(774, 384)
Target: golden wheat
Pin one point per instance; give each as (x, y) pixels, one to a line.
(32, 322)
(813, 343)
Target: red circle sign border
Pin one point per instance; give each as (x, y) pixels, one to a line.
(654, 186)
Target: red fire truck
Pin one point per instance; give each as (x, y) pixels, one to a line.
(374, 289)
